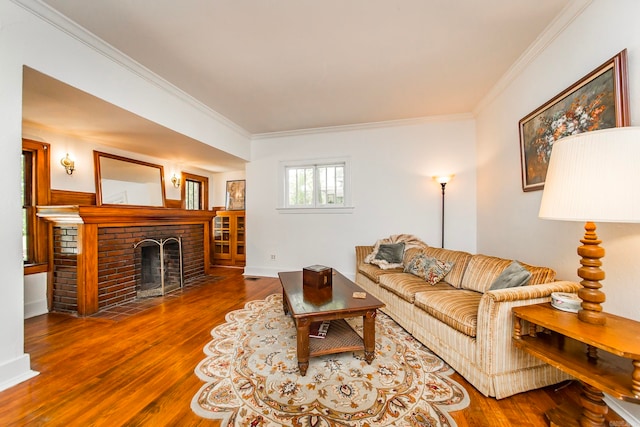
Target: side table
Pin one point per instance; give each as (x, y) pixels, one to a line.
(560, 339)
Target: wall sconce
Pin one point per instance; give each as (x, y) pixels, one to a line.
(68, 164)
(175, 181)
(442, 180)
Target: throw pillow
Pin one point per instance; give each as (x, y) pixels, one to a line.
(391, 252)
(513, 276)
(430, 269)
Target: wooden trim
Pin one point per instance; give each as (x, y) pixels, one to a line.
(65, 197)
(87, 270)
(98, 175)
(173, 203)
(36, 268)
(113, 216)
(41, 196)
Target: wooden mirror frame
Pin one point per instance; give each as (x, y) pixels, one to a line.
(97, 156)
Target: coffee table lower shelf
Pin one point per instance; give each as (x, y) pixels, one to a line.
(340, 338)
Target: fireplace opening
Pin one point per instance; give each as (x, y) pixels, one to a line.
(160, 266)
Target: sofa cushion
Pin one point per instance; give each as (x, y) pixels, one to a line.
(457, 308)
(458, 258)
(432, 270)
(406, 285)
(513, 276)
(410, 253)
(409, 240)
(373, 272)
(482, 271)
(390, 252)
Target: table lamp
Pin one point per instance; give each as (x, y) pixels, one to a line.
(593, 177)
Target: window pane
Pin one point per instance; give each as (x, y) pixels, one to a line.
(331, 185)
(192, 195)
(25, 235)
(27, 168)
(300, 186)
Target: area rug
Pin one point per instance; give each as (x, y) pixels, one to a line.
(252, 378)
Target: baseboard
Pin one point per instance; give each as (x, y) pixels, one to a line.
(16, 371)
(35, 308)
(615, 405)
(273, 272)
(263, 271)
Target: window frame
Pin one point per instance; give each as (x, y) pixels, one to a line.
(40, 188)
(204, 187)
(283, 204)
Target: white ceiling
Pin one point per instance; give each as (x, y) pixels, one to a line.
(282, 65)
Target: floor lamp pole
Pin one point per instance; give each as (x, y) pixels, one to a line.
(442, 180)
(442, 184)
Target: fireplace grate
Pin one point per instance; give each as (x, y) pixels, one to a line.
(158, 265)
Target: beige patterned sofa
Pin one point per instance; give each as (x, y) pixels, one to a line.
(463, 322)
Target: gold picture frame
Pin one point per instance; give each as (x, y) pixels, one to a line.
(597, 101)
(236, 195)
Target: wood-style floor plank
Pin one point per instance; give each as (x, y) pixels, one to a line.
(139, 370)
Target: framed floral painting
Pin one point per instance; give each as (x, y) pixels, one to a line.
(597, 101)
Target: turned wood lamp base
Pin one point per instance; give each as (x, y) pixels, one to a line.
(591, 274)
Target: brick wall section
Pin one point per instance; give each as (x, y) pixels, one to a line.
(65, 263)
(118, 261)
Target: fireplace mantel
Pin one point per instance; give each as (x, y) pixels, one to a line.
(112, 216)
(89, 219)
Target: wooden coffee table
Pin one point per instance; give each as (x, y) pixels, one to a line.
(335, 303)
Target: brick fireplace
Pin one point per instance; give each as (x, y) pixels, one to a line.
(95, 263)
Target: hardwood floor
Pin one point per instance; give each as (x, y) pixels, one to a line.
(138, 371)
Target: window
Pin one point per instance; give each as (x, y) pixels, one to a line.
(195, 190)
(321, 185)
(27, 207)
(192, 191)
(35, 191)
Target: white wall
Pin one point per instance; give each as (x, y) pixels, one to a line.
(26, 39)
(393, 192)
(218, 186)
(508, 224)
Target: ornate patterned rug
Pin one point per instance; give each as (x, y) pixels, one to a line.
(252, 378)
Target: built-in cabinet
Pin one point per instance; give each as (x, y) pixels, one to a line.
(229, 238)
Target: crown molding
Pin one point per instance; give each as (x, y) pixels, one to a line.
(570, 12)
(364, 126)
(67, 26)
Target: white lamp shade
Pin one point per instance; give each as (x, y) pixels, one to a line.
(594, 176)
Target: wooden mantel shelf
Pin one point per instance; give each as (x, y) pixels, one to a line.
(117, 215)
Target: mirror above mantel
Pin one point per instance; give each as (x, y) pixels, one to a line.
(124, 181)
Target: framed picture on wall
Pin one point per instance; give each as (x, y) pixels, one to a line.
(235, 195)
(597, 101)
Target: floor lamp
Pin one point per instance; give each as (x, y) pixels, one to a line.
(593, 177)
(443, 180)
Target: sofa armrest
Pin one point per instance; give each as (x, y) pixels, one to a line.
(532, 291)
(495, 324)
(361, 253)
